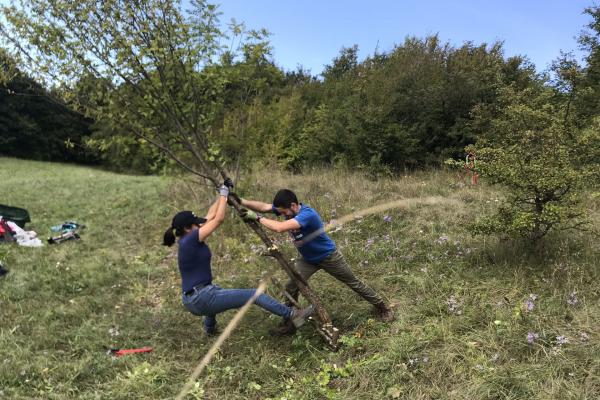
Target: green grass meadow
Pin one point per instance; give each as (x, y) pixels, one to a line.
(465, 305)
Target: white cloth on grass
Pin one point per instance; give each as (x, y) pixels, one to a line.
(25, 238)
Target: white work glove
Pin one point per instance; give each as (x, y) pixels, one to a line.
(224, 191)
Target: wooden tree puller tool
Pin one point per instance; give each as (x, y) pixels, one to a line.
(198, 147)
(323, 322)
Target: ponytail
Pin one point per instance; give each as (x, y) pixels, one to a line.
(169, 237)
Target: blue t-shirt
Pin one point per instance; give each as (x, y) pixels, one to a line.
(194, 261)
(311, 240)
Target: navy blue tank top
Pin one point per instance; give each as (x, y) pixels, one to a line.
(194, 261)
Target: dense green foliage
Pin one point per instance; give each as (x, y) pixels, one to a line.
(583, 82)
(542, 144)
(544, 161)
(406, 108)
(409, 107)
(163, 91)
(34, 125)
(145, 67)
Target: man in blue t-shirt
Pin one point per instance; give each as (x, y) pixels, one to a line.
(317, 250)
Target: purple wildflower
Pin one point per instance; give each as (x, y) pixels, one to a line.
(561, 340)
(442, 239)
(369, 243)
(453, 305)
(530, 302)
(532, 337)
(387, 218)
(573, 300)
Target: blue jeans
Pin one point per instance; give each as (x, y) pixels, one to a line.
(213, 299)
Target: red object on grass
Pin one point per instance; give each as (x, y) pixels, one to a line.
(122, 352)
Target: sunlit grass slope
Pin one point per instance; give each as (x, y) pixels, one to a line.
(466, 306)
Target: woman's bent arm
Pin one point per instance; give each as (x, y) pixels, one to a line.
(210, 226)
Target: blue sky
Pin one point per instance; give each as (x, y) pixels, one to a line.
(310, 32)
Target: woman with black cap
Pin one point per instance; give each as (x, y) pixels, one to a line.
(200, 295)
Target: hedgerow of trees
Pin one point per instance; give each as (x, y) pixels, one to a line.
(410, 107)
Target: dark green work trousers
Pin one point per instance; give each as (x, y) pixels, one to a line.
(335, 265)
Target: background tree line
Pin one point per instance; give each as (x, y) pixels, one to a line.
(148, 85)
(410, 107)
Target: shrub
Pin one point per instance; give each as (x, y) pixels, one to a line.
(532, 150)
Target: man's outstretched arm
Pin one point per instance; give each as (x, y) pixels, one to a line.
(257, 206)
(271, 224)
(279, 226)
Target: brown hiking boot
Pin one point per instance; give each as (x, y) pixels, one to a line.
(299, 316)
(385, 313)
(297, 319)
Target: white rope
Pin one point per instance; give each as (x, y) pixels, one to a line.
(221, 339)
(403, 203)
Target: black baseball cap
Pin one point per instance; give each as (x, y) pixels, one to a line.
(186, 218)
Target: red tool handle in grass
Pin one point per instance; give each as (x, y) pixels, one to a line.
(122, 352)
